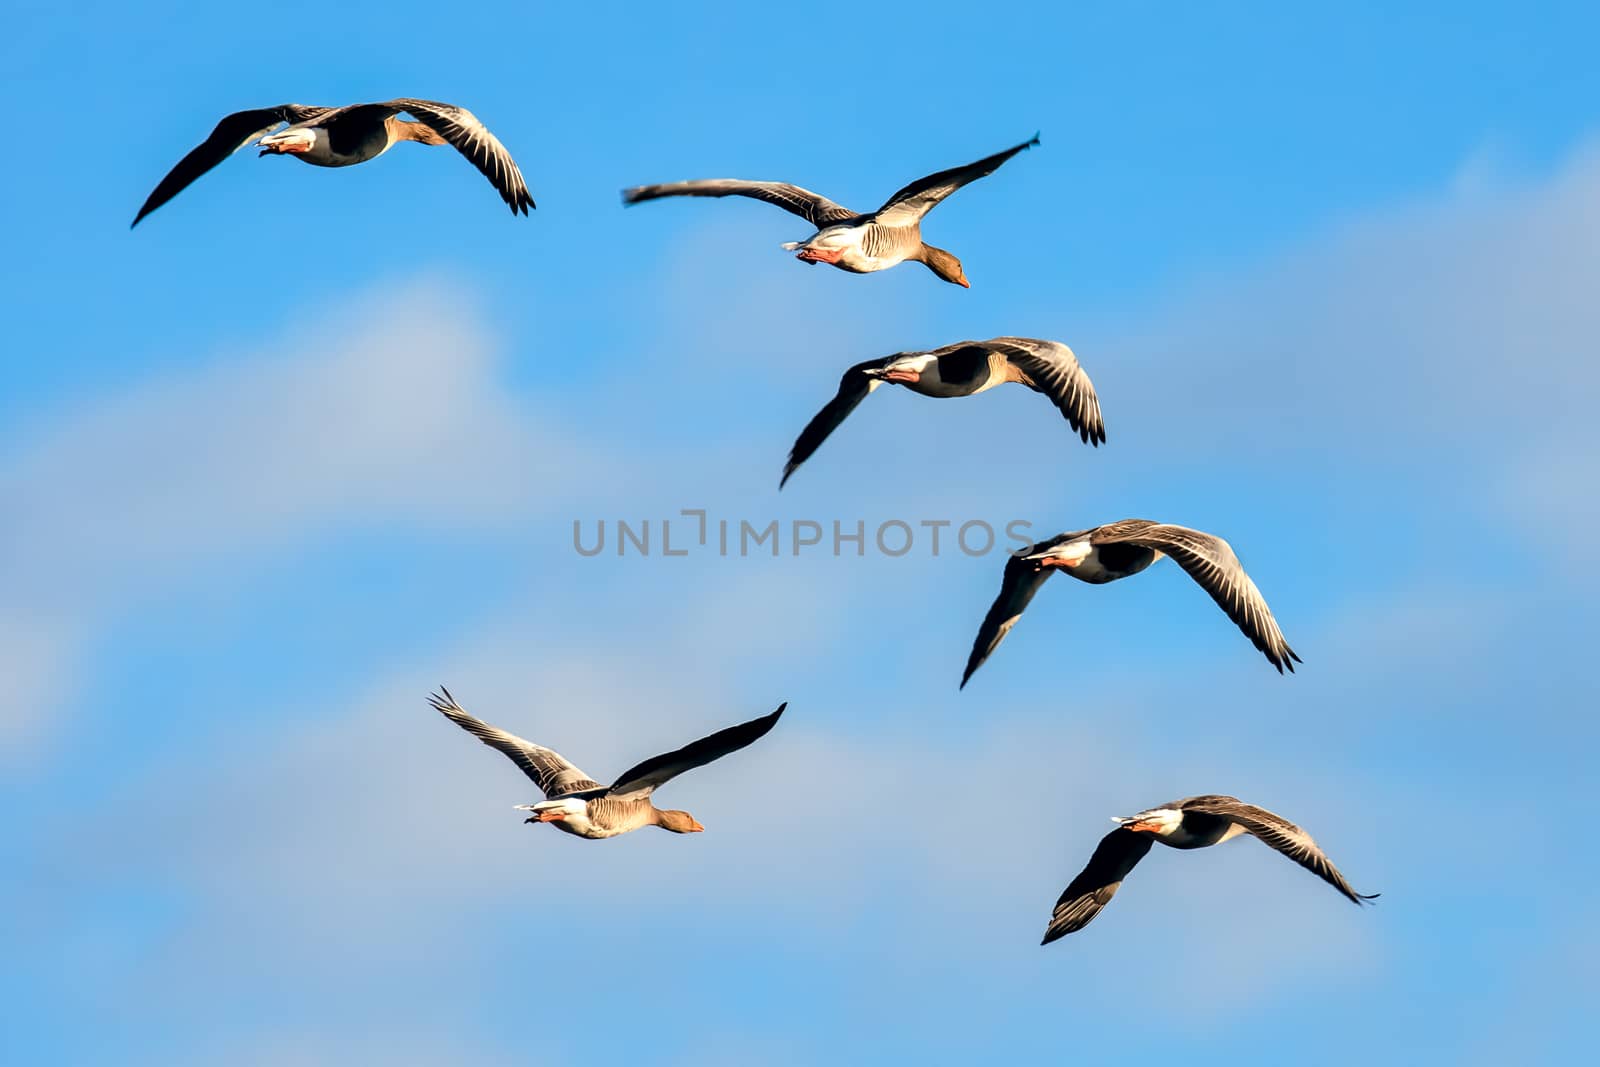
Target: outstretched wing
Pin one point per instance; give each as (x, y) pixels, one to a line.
(551, 772)
(636, 783)
(1051, 368)
(853, 389)
(813, 207)
(1117, 854)
(472, 139)
(921, 196)
(1210, 561)
(1017, 587)
(1281, 834)
(231, 134)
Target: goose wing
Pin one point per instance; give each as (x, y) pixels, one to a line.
(1049, 367)
(472, 138)
(921, 196)
(1117, 854)
(853, 389)
(639, 782)
(1279, 833)
(231, 134)
(813, 207)
(1210, 561)
(551, 772)
(1020, 582)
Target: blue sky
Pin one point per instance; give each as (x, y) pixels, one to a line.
(308, 443)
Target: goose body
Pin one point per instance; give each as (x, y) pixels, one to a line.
(1195, 822)
(1119, 550)
(579, 805)
(356, 143)
(965, 368)
(1094, 563)
(860, 243)
(346, 136)
(595, 817)
(864, 247)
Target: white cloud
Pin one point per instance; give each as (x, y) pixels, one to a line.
(385, 408)
(1467, 320)
(388, 406)
(35, 655)
(385, 1039)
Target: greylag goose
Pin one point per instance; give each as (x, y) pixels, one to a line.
(344, 136)
(1193, 823)
(1123, 548)
(847, 239)
(964, 369)
(578, 804)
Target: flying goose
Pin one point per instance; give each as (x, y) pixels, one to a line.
(1192, 823)
(342, 136)
(1117, 550)
(964, 369)
(578, 804)
(848, 240)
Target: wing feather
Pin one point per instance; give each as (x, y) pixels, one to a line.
(472, 138)
(1280, 834)
(921, 196)
(1051, 368)
(813, 207)
(1117, 854)
(854, 387)
(1018, 585)
(555, 775)
(1211, 562)
(231, 134)
(638, 782)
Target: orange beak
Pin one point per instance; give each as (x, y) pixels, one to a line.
(697, 828)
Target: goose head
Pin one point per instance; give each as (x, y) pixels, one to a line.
(907, 369)
(679, 822)
(295, 140)
(945, 266)
(1159, 821)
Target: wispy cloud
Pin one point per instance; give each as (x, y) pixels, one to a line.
(1450, 331)
(388, 407)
